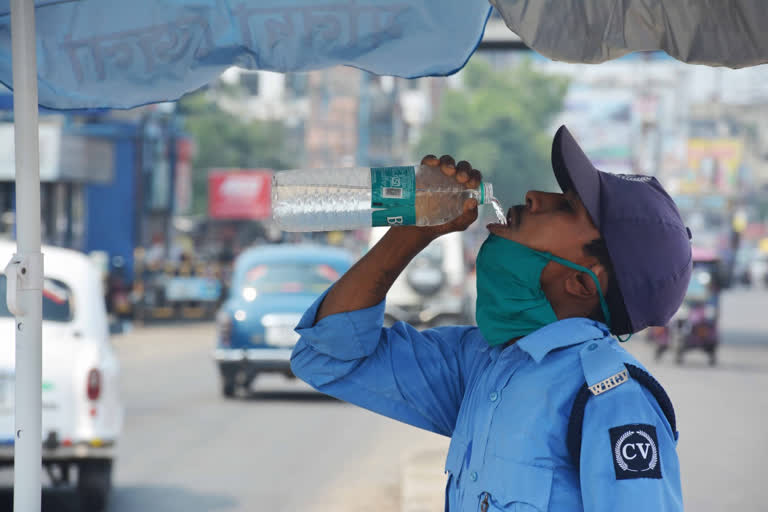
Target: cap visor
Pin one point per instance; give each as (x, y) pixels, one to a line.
(573, 170)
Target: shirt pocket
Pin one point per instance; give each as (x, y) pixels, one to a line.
(514, 486)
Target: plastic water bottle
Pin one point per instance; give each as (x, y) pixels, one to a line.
(359, 197)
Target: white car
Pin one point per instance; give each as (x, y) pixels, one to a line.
(82, 413)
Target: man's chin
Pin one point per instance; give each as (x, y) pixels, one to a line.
(502, 230)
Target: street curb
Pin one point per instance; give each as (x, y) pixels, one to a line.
(422, 480)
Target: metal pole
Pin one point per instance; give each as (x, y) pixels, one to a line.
(364, 121)
(25, 272)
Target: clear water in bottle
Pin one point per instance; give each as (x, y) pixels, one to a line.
(353, 198)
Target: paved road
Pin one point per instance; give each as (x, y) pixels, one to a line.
(723, 411)
(286, 448)
(722, 415)
(283, 448)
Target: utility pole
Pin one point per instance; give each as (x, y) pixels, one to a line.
(364, 120)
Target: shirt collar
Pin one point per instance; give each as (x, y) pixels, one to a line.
(560, 334)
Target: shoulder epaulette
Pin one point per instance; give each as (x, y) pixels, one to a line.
(604, 369)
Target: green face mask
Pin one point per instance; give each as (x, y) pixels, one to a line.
(510, 301)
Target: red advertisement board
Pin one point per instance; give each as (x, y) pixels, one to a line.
(240, 194)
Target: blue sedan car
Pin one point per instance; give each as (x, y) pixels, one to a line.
(271, 288)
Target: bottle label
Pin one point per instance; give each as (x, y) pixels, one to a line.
(393, 196)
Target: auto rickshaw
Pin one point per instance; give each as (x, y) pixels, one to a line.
(695, 325)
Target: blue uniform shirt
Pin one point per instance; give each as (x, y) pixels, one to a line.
(505, 409)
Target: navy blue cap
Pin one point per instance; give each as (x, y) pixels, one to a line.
(647, 241)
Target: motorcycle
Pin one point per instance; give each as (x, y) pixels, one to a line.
(696, 322)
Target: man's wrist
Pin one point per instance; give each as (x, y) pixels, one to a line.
(412, 236)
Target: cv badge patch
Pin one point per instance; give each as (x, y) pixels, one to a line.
(635, 452)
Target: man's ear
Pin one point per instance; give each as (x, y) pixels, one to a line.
(580, 284)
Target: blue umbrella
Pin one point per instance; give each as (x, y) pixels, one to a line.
(121, 54)
(118, 54)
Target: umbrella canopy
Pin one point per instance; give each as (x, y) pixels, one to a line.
(709, 32)
(120, 54)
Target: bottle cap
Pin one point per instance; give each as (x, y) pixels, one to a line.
(486, 192)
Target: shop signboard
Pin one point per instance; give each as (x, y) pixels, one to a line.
(714, 164)
(86, 159)
(240, 194)
(63, 157)
(50, 142)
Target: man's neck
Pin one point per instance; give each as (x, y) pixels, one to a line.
(511, 342)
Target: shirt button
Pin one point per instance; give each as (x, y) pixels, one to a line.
(473, 476)
(593, 346)
(493, 396)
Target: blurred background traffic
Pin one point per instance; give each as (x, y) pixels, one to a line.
(171, 204)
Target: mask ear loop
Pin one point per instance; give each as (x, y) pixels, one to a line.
(603, 304)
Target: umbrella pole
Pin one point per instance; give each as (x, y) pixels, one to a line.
(25, 272)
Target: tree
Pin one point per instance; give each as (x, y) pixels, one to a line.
(500, 122)
(225, 140)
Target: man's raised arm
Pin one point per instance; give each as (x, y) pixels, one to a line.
(368, 281)
(417, 377)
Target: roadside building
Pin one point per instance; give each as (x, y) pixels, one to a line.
(108, 179)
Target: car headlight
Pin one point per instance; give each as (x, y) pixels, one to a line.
(250, 293)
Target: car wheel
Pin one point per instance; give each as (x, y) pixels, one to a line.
(228, 388)
(93, 484)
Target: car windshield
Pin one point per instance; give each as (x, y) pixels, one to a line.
(57, 301)
(284, 278)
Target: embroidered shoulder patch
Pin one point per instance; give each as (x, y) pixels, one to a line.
(635, 452)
